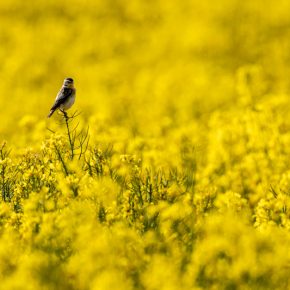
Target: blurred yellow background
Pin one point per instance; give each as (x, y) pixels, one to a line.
(136, 63)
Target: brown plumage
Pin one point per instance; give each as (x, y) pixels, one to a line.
(65, 97)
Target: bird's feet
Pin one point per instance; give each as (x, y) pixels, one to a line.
(64, 113)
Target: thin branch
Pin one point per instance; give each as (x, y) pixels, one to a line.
(61, 160)
(69, 134)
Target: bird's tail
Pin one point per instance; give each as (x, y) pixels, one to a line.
(50, 113)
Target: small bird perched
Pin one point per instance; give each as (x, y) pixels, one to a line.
(65, 97)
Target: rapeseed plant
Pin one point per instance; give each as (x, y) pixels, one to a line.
(175, 175)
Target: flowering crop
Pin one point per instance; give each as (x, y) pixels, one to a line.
(173, 172)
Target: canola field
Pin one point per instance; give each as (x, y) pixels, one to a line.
(174, 172)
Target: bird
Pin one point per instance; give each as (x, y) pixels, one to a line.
(65, 97)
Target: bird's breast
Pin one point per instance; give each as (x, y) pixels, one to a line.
(69, 102)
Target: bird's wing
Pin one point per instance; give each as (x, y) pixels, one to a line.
(62, 96)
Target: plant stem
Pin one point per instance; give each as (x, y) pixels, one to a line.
(71, 144)
(61, 160)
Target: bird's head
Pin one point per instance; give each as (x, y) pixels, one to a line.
(68, 83)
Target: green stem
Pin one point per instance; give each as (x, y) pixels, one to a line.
(69, 135)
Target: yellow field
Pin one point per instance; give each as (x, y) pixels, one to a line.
(183, 180)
